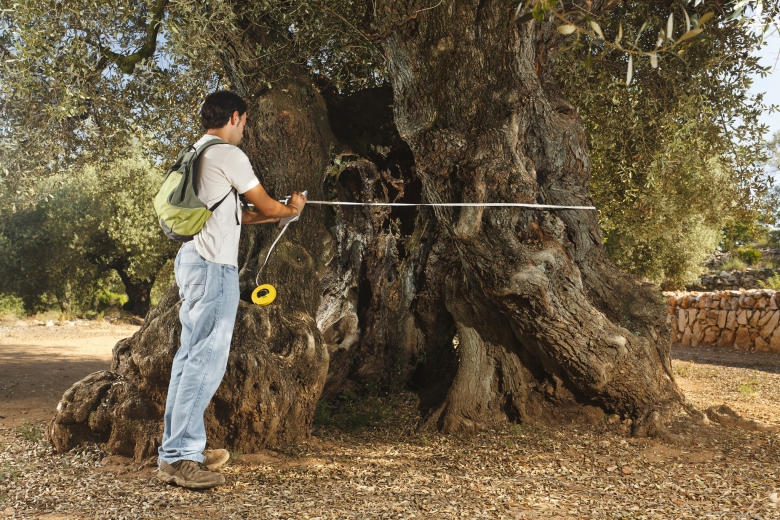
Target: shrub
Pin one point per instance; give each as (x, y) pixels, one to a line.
(733, 264)
(748, 255)
(771, 283)
(11, 306)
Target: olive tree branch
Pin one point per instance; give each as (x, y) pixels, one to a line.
(127, 63)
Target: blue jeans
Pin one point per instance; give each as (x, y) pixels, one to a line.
(209, 302)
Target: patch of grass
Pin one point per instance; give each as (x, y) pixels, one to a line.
(683, 369)
(3, 497)
(749, 388)
(746, 390)
(29, 431)
(233, 455)
(733, 264)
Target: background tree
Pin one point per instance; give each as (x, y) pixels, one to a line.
(677, 157)
(548, 328)
(89, 224)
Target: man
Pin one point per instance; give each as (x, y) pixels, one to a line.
(206, 272)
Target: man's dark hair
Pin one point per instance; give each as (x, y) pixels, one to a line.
(218, 107)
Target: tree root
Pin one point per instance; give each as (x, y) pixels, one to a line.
(727, 417)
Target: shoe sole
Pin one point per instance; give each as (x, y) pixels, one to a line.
(175, 479)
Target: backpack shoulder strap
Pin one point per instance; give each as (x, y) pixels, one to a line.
(211, 142)
(196, 160)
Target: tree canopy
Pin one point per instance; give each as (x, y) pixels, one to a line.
(675, 153)
(678, 155)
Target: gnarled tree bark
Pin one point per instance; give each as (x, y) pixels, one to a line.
(476, 101)
(372, 298)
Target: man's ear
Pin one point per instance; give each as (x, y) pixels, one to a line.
(235, 118)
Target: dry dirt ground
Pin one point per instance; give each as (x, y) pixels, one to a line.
(367, 461)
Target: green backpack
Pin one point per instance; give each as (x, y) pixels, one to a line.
(180, 211)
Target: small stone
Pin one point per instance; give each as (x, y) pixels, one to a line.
(9, 511)
(742, 341)
(731, 320)
(710, 336)
(771, 324)
(754, 317)
(611, 468)
(698, 334)
(726, 339)
(681, 319)
(626, 470)
(686, 339)
(49, 323)
(722, 315)
(612, 419)
(604, 444)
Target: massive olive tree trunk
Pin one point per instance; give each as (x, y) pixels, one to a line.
(491, 314)
(542, 315)
(278, 361)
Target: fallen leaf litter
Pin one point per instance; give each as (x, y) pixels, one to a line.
(391, 471)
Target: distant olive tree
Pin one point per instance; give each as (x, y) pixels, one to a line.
(87, 224)
(679, 155)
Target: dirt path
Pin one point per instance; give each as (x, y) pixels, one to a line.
(383, 468)
(38, 364)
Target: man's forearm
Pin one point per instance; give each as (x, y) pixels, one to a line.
(255, 217)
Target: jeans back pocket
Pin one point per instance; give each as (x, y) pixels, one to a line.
(191, 276)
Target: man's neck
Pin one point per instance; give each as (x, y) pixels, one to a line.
(218, 132)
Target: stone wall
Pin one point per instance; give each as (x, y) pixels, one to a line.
(744, 320)
(733, 280)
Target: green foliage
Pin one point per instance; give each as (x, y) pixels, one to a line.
(163, 280)
(65, 249)
(674, 156)
(733, 264)
(677, 156)
(741, 232)
(771, 283)
(11, 306)
(66, 101)
(105, 298)
(81, 80)
(748, 255)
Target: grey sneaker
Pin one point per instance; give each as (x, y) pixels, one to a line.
(213, 459)
(189, 474)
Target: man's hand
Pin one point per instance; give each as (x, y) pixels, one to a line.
(297, 200)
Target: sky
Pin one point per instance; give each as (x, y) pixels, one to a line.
(770, 84)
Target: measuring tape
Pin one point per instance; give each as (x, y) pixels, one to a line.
(266, 293)
(451, 204)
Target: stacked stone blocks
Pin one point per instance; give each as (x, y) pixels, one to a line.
(744, 320)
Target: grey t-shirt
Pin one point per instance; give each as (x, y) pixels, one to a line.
(222, 168)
